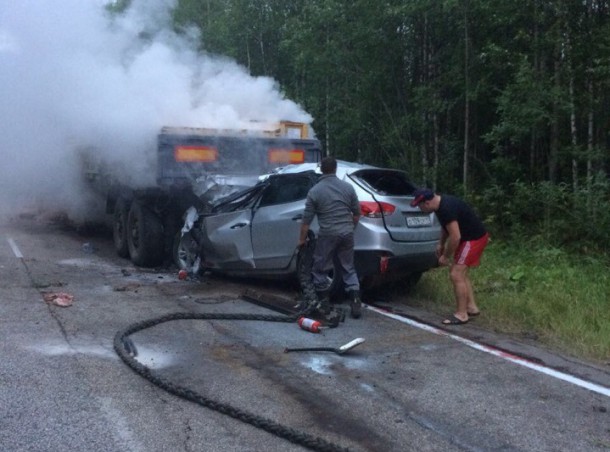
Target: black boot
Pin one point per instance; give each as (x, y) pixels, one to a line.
(323, 305)
(329, 315)
(355, 304)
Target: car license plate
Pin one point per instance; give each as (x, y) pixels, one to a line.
(418, 222)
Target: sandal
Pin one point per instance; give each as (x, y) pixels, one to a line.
(453, 320)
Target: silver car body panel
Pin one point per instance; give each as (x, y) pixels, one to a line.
(275, 234)
(227, 240)
(261, 239)
(395, 224)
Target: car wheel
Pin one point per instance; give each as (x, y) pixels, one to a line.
(119, 227)
(412, 280)
(145, 236)
(186, 252)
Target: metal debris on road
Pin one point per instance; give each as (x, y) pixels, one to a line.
(339, 351)
(58, 299)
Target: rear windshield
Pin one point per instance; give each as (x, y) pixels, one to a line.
(386, 182)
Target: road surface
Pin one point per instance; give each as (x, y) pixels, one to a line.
(407, 387)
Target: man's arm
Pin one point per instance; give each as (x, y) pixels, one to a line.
(440, 248)
(303, 234)
(355, 207)
(450, 242)
(308, 215)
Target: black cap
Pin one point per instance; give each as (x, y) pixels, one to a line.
(421, 195)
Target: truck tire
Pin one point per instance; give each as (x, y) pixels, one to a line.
(119, 227)
(145, 236)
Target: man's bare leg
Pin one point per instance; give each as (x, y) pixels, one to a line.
(461, 288)
(471, 305)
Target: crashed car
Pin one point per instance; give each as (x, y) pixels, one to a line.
(255, 232)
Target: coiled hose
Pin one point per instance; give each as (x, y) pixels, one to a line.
(126, 351)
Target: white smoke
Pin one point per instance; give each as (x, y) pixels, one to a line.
(72, 76)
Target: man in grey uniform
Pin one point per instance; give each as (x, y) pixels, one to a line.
(336, 205)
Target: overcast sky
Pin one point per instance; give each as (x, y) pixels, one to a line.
(71, 76)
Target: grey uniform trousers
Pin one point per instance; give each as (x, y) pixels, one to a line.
(327, 247)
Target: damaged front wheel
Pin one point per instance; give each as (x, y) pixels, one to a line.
(186, 252)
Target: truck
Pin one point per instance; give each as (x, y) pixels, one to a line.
(194, 166)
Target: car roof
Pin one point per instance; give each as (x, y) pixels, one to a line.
(343, 168)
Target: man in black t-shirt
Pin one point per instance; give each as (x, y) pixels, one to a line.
(463, 239)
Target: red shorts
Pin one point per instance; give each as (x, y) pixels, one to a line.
(469, 253)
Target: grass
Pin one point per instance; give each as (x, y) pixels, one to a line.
(559, 299)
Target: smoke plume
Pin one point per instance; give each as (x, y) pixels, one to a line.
(74, 76)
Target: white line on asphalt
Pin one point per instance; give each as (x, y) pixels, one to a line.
(120, 423)
(15, 248)
(499, 353)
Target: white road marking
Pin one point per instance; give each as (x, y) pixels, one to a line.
(499, 353)
(120, 423)
(15, 248)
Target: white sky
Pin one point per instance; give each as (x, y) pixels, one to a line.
(69, 76)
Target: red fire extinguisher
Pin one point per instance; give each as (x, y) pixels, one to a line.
(310, 324)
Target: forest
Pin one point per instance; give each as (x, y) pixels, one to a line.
(503, 102)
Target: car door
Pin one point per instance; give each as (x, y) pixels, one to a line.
(277, 219)
(227, 240)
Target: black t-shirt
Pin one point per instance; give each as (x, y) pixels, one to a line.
(451, 209)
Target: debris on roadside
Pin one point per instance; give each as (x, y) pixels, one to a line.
(88, 248)
(130, 287)
(339, 351)
(310, 325)
(61, 299)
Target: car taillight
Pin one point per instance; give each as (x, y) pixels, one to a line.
(372, 209)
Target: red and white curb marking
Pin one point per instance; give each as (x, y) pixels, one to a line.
(499, 353)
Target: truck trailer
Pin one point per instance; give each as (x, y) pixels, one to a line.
(193, 166)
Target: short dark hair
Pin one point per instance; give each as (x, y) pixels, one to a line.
(328, 165)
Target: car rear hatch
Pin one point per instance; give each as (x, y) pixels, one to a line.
(393, 192)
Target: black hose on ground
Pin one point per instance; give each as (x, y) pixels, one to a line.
(125, 348)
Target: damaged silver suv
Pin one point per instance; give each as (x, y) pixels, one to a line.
(255, 232)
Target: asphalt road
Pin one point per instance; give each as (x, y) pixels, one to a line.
(407, 387)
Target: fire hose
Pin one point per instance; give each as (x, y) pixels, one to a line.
(126, 351)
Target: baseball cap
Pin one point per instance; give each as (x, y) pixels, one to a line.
(421, 195)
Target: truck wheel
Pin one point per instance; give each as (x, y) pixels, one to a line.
(119, 227)
(145, 236)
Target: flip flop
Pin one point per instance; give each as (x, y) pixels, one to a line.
(473, 314)
(453, 320)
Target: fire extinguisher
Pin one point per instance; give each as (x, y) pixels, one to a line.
(310, 324)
